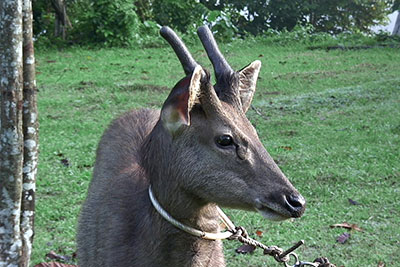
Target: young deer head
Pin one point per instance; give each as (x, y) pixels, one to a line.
(200, 150)
(218, 155)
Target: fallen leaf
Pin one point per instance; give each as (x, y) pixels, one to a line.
(350, 226)
(381, 264)
(244, 249)
(85, 166)
(343, 238)
(353, 202)
(259, 233)
(54, 264)
(65, 162)
(287, 147)
(86, 83)
(272, 93)
(54, 256)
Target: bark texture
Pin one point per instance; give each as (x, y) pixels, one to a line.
(11, 137)
(18, 133)
(30, 131)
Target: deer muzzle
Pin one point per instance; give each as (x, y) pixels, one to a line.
(289, 206)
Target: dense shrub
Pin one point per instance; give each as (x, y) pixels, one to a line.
(114, 22)
(131, 23)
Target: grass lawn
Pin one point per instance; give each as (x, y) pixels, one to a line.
(331, 120)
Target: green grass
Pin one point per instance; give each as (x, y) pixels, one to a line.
(330, 119)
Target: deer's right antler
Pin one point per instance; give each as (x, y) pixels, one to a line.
(221, 66)
(186, 59)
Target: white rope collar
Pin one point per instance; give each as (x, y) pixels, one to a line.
(205, 235)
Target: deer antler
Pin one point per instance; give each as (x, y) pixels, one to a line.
(184, 56)
(221, 66)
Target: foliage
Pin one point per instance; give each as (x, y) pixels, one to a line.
(129, 23)
(396, 5)
(308, 36)
(179, 15)
(325, 15)
(113, 23)
(43, 18)
(348, 16)
(246, 16)
(144, 10)
(220, 21)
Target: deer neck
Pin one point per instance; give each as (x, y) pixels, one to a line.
(183, 206)
(166, 181)
(189, 250)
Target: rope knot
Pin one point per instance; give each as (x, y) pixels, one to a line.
(276, 252)
(239, 233)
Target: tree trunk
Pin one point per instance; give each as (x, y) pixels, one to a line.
(18, 133)
(11, 137)
(30, 131)
(62, 20)
(396, 29)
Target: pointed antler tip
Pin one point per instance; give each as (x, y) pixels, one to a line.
(203, 28)
(221, 66)
(164, 30)
(184, 56)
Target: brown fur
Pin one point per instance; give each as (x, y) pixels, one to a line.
(118, 225)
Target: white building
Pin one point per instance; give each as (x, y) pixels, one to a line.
(390, 26)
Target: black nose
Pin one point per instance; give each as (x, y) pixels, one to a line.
(296, 204)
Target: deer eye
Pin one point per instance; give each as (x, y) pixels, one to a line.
(224, 140)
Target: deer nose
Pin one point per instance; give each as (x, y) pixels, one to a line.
(296, 204)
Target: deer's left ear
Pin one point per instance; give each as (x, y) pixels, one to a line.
(176, 109)
(247, 83)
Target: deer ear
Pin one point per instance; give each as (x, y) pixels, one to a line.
(176, 109)
(247, 83)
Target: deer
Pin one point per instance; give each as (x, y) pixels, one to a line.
(198, 152)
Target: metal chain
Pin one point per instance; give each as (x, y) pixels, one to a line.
(240, 234)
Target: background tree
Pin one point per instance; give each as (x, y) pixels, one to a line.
(347, 16)
(62, 21)
(178, 14)
(17, 173)
(396, 7)
(11, 137)
(325, 15)
(126, 22)
(30, 128)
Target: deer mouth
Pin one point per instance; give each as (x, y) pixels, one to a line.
(269, 212)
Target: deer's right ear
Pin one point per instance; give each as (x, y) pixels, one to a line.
(176, 109)
(247, 83)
